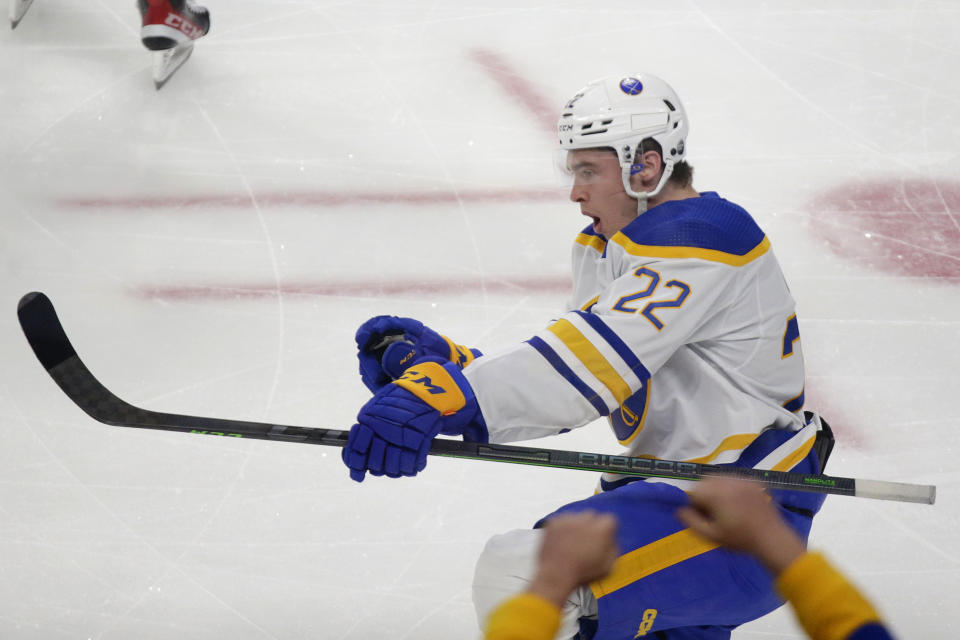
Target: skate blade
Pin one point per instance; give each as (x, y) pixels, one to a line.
(166, 63)
(18, 9)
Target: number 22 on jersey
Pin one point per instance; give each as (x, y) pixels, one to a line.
(649, 277)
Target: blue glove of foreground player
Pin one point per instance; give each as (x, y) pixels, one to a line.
(387, 345)
(395, 428)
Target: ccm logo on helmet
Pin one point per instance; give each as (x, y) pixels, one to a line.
(631, 86)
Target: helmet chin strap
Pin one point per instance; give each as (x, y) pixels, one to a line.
(641, 204)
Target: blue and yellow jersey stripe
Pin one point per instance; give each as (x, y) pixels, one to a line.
(590, 303)
(796, 403)
(595, 362)
(568, 374)
(616, 343)
(651, 558)
(793, 458)
(682, 545)
(736, 442)
(700, 253)
(706, 228)
(593, 359)
(591, 240)
(791, 451)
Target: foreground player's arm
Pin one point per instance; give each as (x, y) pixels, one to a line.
(577, 549)
(741, 516)
(827, 605)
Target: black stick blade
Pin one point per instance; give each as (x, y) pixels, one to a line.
(49, 341)
(46, 336)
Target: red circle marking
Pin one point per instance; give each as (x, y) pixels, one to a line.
(901, 227)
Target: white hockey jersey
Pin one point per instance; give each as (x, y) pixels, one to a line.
(682, 330)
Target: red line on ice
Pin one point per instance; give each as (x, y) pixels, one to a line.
(315, 199)
(361, 288)
(517, 87)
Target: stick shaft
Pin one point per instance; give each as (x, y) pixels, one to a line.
(53, 348)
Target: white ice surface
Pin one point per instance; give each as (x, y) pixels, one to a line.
(273, 168)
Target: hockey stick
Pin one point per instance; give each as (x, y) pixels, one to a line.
(52, 347)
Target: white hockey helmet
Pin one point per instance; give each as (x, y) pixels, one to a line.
(619, 112)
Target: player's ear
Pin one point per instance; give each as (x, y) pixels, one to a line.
(647, 176)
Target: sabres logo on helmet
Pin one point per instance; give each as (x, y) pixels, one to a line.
(631, 86)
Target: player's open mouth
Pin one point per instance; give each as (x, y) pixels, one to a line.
(596, 221)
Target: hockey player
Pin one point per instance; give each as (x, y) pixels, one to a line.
(681, 330)
(169, 28)
(18, 9)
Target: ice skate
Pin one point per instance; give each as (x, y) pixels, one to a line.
(169, 30)
(18, 9)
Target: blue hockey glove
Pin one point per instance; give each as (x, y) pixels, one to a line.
(387, 345)
(395, 428)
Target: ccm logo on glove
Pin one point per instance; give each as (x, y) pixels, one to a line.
(432, 384)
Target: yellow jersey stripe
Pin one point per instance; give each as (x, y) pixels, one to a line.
(730, 443)
(649, 559)
(591, 358)
(712, 255)
(589, 304)
(799, 454)
(738, 441)
(594, 242)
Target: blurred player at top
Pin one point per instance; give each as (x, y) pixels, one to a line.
(681, 331)
(168, 29)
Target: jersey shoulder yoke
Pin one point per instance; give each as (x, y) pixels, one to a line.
(591, 239)
(708, 228)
